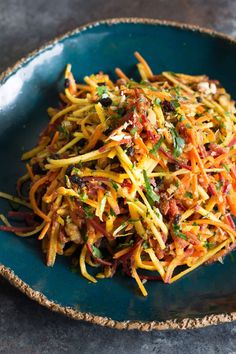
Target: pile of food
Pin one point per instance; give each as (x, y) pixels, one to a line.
(133, 175)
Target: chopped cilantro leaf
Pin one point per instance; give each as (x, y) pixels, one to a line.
(157, 101)
(126, 244)
(177, 91)
(96, 252)
(151, 195)
(226, 167)
(177, 183)
(115, 186)
(112, 212)
(209, 245)
(219, 185)
(88, 211)
(64, 132)
(133, 131)
(178, 142)
(132, 221)
(83, 196)
(156, 147)
(145, 245)
(177, 231)
(175, 103)
(101, 90)
(120, 112)
(189, 195)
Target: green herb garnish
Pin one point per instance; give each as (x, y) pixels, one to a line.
(115, 186)
(133, 131)
(177, 91)
(96, 252)
(157, 101)
(88, 211)
(112, 212)
(146, 245)
(219, 185)
(132, 221)
(101, 90)
(83, 196)
(177, 231)
(178, 142)
(156, 147)
(226, 167)
(126, 244)
(188, 195)
(175, 103)
(151, 195)
(177, 183)
(63, 131)
(209, 245)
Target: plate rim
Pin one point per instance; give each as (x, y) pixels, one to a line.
(17, 282)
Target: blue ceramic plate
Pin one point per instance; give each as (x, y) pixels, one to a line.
(206, 296)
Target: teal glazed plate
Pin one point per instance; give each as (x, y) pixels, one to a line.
(204, 297)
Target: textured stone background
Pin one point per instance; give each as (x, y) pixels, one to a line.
(25, 327)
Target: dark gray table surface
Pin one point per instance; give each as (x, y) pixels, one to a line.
(26, 327)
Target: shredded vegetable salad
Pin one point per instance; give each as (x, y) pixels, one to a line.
(137, 176)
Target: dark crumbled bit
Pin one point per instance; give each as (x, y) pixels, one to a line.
(121, 111)
(130, 151)
(45, 161)
(37, 169)
(101, 84)
(106, 101)
(67, 83)
(55, 156)
(77, 180)
(81, 143)
(158, 181)
(69, 170)
(167, 106)
(172, 166)
(108, 131)
(199, 99)
(207, 146)
(177, 219)
(99, 144)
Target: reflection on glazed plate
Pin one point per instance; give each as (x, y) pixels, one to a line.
(204, 297)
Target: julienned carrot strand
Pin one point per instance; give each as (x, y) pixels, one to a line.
(201, 166)
(55, 138)
(138, 175)
(33, 202)
(120, 73)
